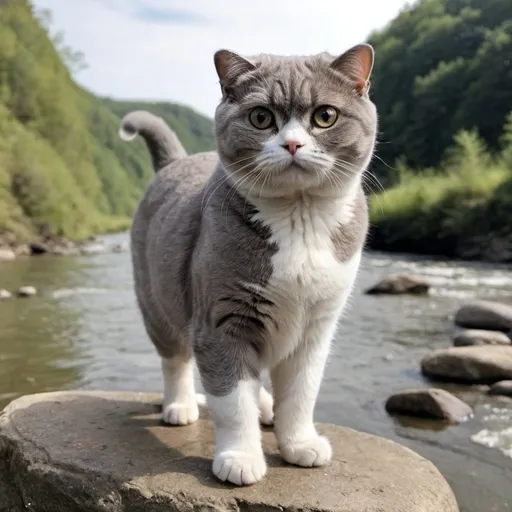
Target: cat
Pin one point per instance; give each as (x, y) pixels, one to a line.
(243, 258)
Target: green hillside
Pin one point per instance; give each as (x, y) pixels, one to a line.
(63, 169)
(442, 84)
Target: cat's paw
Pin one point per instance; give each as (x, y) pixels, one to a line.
(180, 413)
(315, 451)
(266, 408)
(239, 468)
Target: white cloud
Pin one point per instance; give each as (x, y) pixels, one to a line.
(130, 57)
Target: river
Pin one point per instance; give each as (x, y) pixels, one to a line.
(83, 330)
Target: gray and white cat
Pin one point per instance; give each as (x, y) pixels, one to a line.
(244, 258)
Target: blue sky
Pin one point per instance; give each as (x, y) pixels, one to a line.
(163, 49)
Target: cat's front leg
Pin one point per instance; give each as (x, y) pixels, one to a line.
(296, 382)
(230, 375)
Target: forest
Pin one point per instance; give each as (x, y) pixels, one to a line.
(440, 181)
(442, 85)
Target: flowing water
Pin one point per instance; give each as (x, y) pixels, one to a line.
(84, 331)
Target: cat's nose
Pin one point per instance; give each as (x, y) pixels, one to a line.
(292, 146)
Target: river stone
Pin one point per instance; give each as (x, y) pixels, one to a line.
(485, 314)
(476, 364)
(480, 337)
(26, 291)
(38, 248)
(5, 294)
(429, 403)
(503, 388)
(396, 284)
(7, 254)
(109, 452)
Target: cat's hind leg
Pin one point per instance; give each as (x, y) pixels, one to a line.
(266, 404)
(180, 402)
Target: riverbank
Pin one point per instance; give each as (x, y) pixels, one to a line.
(83, 331)
(460, 210)
(11, 247)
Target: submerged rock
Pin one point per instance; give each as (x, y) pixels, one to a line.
(503, 388)
(429, 403)
(484, 314)
(70, 447)
(476, 364)
(400, 284)
(480, 337)
(26, 291)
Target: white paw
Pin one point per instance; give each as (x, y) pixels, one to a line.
(315, 451)
(180, 413)
(239, 468)
(266, 407)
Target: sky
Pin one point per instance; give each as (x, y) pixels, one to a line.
(163, 49)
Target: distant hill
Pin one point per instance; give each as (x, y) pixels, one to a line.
(63, 169)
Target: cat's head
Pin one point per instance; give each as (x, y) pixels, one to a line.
(287, 124)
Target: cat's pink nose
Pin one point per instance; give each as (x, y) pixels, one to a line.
(292, 146)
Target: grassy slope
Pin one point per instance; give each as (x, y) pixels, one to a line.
(63, 169)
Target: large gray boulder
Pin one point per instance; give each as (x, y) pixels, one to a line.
(476, 364)
(470, 337)
(430, 403)
(485, 314)
(109, 452)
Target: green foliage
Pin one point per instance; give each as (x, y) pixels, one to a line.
(437, 211)
(442, 66)
(441, 83)
(63, 169)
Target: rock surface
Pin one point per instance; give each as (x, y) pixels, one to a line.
(480, 337)
(503, 388)
(477, 364)
(108, 452)
(430, 403)
(396, 284)
(27, 291)
(484, 314)
(7, 254)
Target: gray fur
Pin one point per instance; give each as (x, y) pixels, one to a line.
(164, 145)
(197, 250)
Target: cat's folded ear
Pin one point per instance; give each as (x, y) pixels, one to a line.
(230, 66)
(356, 64)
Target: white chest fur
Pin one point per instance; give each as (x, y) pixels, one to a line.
(309, 284)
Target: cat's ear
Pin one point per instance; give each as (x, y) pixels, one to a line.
(356, 64)
(230, 66)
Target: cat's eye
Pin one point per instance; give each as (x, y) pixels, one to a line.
(261, 118)
(324, 116)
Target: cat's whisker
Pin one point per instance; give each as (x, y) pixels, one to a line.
(226, 178)
(227, 175)
(235, 187)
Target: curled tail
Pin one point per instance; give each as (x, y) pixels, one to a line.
(163, 144)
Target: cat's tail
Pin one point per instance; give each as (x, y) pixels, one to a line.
(163, 144)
